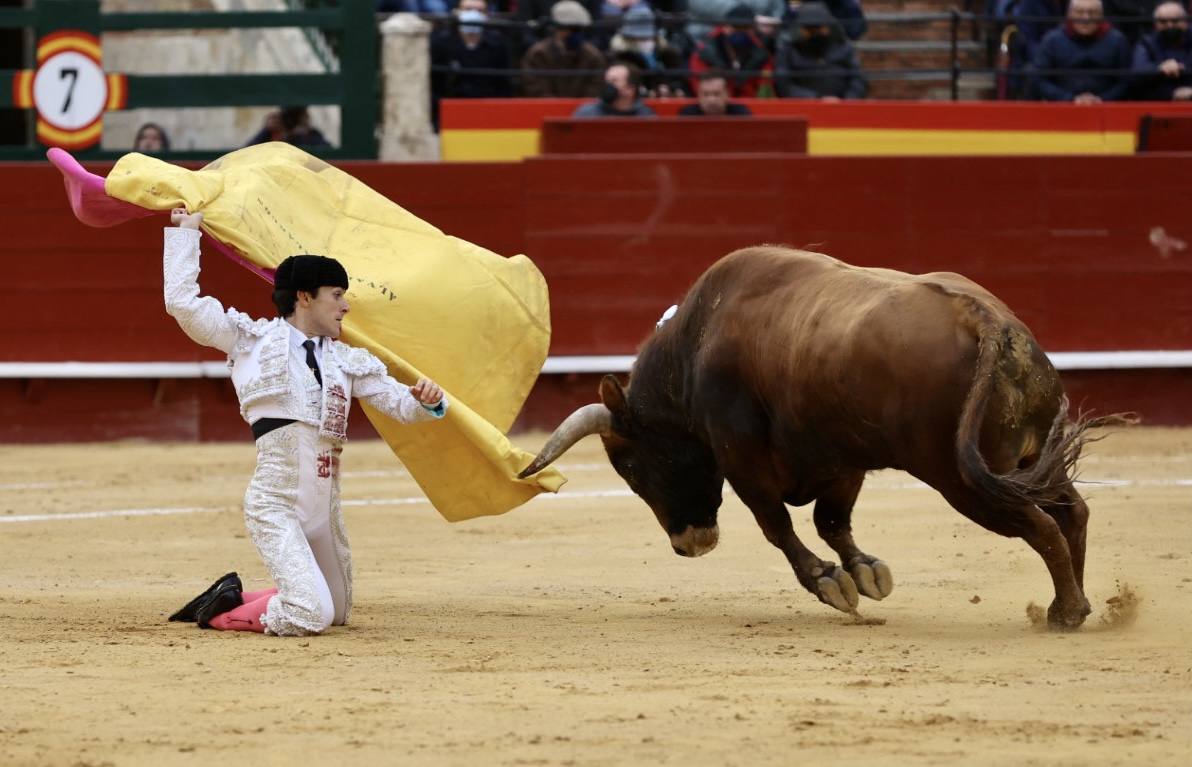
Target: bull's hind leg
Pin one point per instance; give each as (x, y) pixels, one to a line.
(1044, 534)
(833, 522)
(830, 583)
(1072, 515)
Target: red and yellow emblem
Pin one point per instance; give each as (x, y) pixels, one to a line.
(69, 90)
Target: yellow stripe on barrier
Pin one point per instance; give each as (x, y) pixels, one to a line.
(489, 145)
(479, 145)
(869, 141)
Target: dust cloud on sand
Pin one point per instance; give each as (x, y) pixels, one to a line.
(1120, 611)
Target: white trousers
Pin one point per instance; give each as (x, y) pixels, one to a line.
(293, 516)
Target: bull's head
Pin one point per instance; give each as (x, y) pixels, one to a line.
(672, 470)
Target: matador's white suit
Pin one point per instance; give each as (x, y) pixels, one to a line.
(292, 507)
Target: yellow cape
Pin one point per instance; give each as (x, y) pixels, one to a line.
(425, 303)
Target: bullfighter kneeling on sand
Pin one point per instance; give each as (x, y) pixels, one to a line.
(295, 382)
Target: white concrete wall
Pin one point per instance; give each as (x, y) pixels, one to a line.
(249, 51)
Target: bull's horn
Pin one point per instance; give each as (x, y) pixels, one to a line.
(589, 419)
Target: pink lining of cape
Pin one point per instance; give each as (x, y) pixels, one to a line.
(93, 207)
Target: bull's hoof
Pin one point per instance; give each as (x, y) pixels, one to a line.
(873, 578)
(1061, 617)
(837, 589)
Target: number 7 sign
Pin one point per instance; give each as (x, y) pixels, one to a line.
(69, 90)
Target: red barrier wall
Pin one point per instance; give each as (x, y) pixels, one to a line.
(1085, 249)
(672, 135)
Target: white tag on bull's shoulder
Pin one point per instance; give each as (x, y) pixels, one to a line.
(666, 316)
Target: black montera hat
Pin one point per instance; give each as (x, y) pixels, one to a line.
(309, 273)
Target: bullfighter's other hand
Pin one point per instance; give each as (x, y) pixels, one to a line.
(184, 219)
(427, 392)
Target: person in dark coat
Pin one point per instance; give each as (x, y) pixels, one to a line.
(567, 47)
(816, 61)
(1086, 42)
(848, 15)
(1163, 59)
(467, 45)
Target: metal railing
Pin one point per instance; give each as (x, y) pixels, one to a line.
(976, 34)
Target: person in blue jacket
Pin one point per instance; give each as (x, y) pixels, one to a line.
(1086, 61)
(1163, 59)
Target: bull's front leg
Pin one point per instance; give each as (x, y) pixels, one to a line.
(826, 580)
(833, 522)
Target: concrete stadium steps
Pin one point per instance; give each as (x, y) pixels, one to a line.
(907, 51)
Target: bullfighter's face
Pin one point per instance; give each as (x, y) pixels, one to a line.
(675, 474)
(324, 311)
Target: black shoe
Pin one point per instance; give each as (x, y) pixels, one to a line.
(187, 613)
(226, 597)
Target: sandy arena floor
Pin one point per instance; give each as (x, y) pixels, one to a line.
(568, 633)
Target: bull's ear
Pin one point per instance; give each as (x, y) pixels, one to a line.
(613, 396)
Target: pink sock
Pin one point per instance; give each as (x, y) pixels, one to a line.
(246, 617)
(252, 596)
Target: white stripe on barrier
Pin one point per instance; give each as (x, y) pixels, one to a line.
(563, 496)
(1111, 360)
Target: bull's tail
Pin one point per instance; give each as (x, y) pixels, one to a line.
(1042, 479)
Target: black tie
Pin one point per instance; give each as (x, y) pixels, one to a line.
(311, 362)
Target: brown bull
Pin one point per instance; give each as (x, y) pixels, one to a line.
(792, 374)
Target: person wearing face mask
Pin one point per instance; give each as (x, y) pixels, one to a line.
(465, 46)
(848, 14)
(639, 45)
(704, 16)
(736, 50)
(542, 11)
(816, 61)
(1163, 59)
(620, 97)
(1076, 62)
(567, 48)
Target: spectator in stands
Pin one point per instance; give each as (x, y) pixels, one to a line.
(704, 16)
(638, 44)
(1086, 42)
(295, 121)
(271, 129)
(848, 14)
(567, 48)
(292, 125)
(542, 13)
(1163, 59)
(151, 138)
(613, 10)
(816, 61)
(434, 7)
(736, 50)
(713, 99)
(621, 96)
(468, 46)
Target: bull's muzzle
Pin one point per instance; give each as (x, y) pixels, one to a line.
(695, 541)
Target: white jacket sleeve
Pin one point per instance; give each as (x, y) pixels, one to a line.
(203, 319)
(393, 399)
